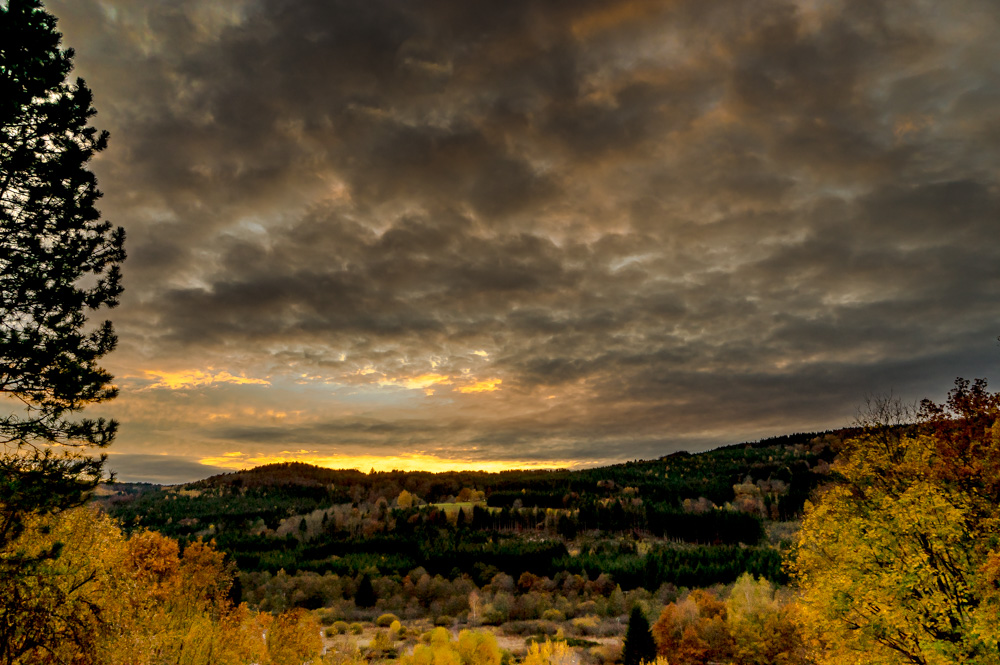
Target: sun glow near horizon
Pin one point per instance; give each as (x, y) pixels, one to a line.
(238, 461)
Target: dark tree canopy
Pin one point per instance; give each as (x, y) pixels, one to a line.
(365, 596)
(58, 261)
(639, 645)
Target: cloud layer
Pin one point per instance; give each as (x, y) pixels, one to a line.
(637, 226)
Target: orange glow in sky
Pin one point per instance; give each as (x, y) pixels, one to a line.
(193, 378)
(484, 386)
(407, 462)
(428, 383)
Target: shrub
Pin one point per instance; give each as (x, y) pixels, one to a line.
(586, 625)
(381, 646)
(519, 627)
(547, 628)
(607, 653)
(444, 620)
(356, 628)
(489, 615)
(553, 615)
(478, 648)
(386, 620)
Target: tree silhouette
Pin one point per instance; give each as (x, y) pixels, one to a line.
(638, 645)
(365, 596)
(58, 261)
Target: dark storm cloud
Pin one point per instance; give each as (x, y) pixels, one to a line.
(688, 222)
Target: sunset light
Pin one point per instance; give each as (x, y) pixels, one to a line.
(531, 332)
(196, 378)
(547, 232)
(484, 386)
(411, 462)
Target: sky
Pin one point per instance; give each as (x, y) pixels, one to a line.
(442, 234)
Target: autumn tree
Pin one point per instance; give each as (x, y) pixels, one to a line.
(897, 562)
(405, 500)
(112, 600)
(55, 611)
(693, 630)
(58, 261)
(549, 653)
(751, 626)
(293, 638)
(763, 629)
(471, 648)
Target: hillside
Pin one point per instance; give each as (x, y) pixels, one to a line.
(682, 519)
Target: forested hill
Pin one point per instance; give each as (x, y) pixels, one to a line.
(788, 462)
(672, 519)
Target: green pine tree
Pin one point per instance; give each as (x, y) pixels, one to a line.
(365, 596)
(58, 262)
(639, 645)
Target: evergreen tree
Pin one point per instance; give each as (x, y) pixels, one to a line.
(58, 260)
(365, 596)
(638, 645)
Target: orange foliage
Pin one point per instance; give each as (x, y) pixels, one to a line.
(693, 630)
(293, 638)
(140, 601)
(749, 627)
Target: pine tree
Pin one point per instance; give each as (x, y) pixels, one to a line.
(365, 596)
(58, 261)
(638, 645)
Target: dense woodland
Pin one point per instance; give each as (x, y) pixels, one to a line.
(879, 543)
(682, 520)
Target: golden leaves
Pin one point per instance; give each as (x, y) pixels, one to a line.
(890, 560)
(139, 601)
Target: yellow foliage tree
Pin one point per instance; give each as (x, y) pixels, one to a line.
(548, 653)
(763, 629)
(478, 648)
(750, 627)
(294, 639)
(405, 499)
(109, 600)
(897, 562)
(471, 648)
(56, 616)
